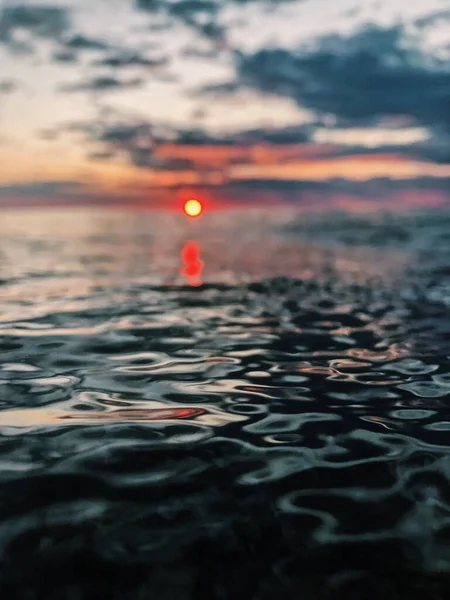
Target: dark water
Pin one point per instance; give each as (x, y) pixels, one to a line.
(245, 406)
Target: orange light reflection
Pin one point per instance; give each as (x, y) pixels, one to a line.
(193, 268)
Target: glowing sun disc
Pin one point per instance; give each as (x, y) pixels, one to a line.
(193, 208)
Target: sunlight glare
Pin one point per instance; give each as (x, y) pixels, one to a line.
(193, 208)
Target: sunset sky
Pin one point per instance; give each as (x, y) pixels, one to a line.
(124, 100)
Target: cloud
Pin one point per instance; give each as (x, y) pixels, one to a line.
(22, 24)
(187, 10)
(39, 189)
(157, 145)
(136, 141)
(112, 56)
(356, 79)
(430, 151)
(433, 18)
(65, 57)
(81, 42)
(70, 48)
(49, 192)
(193, 52)
(338, 193)
(200, 7)
(202, 15)
(112, 136)
(101, 156)
(373, 188)
(103, 84)
(8, 86)
(293, 134)
(66, 192)
(220, 90)
(124, 59)
(437, 152)
(254, 154)
(37, 21)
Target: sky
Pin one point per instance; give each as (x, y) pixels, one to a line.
(243, 101)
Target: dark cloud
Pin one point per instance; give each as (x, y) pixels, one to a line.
(8, 86)
(438, 151)
(101, 156)
(378, 190)
(39, 189)
(112, 56)
(45, 21)
(199, 14)
(294, 134)
(433, 18)
(70, 48)
(65, 57)
(150, 5)
(315, 193)
(219, 90)
(39, 21)
(192, 10)
(139, 141)
(184, 9)
(193, 7)
(131, 59)
(200, 53)
(122, 134)
(103, 84)
(111, 137)
(358, 79)
(202, 15)
(81, 42)
(54, 193)
(430, 151)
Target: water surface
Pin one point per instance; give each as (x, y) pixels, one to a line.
(246, 405)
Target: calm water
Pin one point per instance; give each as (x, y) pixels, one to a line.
(247, 406)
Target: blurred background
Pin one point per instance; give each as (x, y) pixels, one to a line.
(317, 104)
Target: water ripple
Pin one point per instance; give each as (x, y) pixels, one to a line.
(281, 427)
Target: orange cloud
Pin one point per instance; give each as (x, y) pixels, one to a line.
(224, 155)
(356, 168)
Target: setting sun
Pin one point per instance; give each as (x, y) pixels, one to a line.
(193, 208)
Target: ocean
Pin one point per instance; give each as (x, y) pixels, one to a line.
(251, 404)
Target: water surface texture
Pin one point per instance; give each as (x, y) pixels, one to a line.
(249, 405)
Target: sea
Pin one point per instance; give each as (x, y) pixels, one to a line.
(249, 405)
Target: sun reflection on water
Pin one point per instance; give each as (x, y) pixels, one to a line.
(193, 265)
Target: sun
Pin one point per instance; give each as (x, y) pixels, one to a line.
(193, 208)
